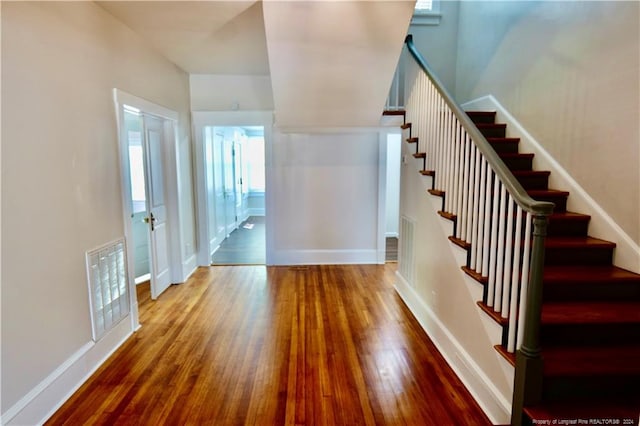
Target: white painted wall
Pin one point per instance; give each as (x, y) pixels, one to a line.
(230, 92)
(323, 197)
(61, 183)
(569, 72)
(394, 146)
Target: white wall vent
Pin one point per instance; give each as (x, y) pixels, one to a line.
(406, 258)
(108, 286)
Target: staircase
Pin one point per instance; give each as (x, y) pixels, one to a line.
(590, 321)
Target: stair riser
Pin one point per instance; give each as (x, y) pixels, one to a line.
(534, 182)
(568, 388)
(493, 131)
(573, 228)
(481, 117)
(505, 147)
(592, 292)
(589, 334)
(518, 163)
(578, 256)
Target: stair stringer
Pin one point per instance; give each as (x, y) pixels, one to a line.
(443, 299)
(601, 225)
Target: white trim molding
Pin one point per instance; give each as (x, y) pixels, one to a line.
(49, 395)
(324, 257)
(602, 225)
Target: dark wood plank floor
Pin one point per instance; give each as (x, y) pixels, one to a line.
(245, 246)
(250, 345)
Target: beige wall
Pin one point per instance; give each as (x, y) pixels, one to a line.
(324, 206)
(570, 73)
(60, 171)
(212, 92)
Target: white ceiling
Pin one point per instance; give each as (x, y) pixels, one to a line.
(330, 62)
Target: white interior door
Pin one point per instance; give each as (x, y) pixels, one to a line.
(218, 182)
(157, 219)
(237, 179)
(229, 186)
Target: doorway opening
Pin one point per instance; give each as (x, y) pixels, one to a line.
(139, 244)
(234, 168)
(394, 159)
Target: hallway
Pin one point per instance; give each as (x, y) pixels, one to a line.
(245, 245)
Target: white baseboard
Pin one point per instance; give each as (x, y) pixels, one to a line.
(49, 395)
(492, 402)
(602, 225)
(325, 257)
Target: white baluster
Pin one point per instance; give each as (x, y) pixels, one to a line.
(487, 223)
(526, 260)
(462, 224)
(461, 189)
(515, 278)
(447, 162)
(500, 263)
(476, 206)
(470, 201)
(493, 247)
(481, 209)
(457, 171)
(507, 260)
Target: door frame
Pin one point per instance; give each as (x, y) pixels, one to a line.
(202, 119)
(170, 120)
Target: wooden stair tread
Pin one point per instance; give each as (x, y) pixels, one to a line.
(475, 275)
(393, 112)
(578, 274)
(577, 242)
(575, 313)
(569, 216)
(460, 243)
(405, 126)
(447, 215)
(412, 140)
(493, 314)
(436, 192)
(420, 155)
(427, 173)
(591, 409)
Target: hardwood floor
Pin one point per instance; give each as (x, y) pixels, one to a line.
(250, 345)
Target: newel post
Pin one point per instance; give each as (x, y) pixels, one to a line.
(527, 389)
